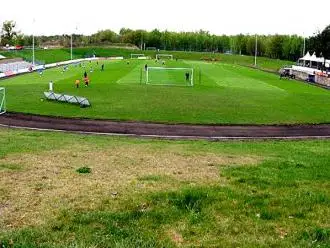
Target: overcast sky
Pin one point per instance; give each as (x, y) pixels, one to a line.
(219, 17)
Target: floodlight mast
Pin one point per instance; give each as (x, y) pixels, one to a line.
(71, 46)
(33, 55)
(33, 60)
(304, 49)
(256, 52)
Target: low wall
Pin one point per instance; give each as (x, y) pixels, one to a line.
(320, 80)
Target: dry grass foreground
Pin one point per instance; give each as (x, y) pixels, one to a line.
(36, 186)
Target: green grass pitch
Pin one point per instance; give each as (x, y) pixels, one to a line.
(157, 193)
(224, 94)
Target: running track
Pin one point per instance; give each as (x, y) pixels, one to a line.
(166, 131)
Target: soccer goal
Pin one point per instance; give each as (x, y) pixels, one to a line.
(164, 56)
(2, 100)
(137, 56)
(170, 76)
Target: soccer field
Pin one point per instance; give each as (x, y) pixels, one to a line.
(222, 94)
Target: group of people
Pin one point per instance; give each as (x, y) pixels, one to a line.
(86, 80)
(102, 66)
(85, 77)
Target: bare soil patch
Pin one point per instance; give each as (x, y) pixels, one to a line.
(48, 182)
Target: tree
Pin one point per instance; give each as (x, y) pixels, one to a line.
(165, 40)
(8, 33)
(320, 43)
(19, 40)
(275, 47)
(104, 36)
(324, 40)
(292, 47)
(154, 38)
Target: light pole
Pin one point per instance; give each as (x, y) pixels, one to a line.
(33, 55)
(256, 52)
(71, 46)
(304, 48)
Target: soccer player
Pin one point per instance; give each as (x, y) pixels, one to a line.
(85, 74)
(146, 67)
(86, 81)
(187, 76)
(102, 67)
(77, 83)
(51, 86)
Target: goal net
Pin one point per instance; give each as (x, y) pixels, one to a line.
(164, 56)
(170, 76)
(137, 56)
(2, 100)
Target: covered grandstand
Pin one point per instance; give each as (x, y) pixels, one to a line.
(11, 65)
(314, 62)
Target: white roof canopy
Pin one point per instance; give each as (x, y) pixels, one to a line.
(313, 58)
(307, 56)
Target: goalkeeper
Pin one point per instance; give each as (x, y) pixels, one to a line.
(187, 76)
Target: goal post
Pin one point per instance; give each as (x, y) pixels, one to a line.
(170, 76)
(2, 100)
(136, 56)
(164, 56)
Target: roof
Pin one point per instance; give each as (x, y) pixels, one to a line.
(306, 57)
(314, 58)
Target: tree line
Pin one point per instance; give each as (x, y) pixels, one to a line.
(288, 47)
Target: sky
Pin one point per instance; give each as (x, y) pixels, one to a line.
(216, 16)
